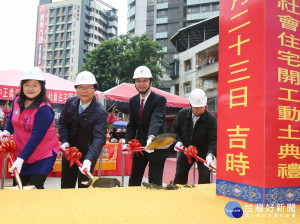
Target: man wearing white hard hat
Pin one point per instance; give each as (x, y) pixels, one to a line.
(31, 122)
(82, 124)
(198, 127)
(146, 120)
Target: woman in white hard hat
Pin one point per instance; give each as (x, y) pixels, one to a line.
(198, 127)
(146, 120)
(82, 124)
(32, 123)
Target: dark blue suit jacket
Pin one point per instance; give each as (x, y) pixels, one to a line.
(153, 123)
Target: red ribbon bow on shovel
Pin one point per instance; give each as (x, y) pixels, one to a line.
(190, 152)
(134, 146)
(72, 155)
(8, 146)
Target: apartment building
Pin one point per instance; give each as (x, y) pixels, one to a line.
(161, 19)
(196, 65)
(67, 30)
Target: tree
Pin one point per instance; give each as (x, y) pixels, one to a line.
(114, 60)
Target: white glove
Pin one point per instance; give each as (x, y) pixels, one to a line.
(85, 165)
(17, 164)
(148, 143)
(66, 144)
(209, 159)
(125, 149)
(178, 145)
(4, 134)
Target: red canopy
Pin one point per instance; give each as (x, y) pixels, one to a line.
(58, 89)
(125, 91)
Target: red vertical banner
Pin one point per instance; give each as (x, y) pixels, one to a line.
(250, 122)
(282, 62)
(40, 36)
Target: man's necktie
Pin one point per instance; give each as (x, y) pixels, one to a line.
(141, 110)
(80, 109)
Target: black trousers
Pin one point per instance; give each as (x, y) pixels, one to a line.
(37, 180)
(183, 168)
(139, 163)
(70, 175)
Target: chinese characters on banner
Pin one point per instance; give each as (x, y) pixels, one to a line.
(286, 75)
(259, 112)
(40, 36)
(56, 96)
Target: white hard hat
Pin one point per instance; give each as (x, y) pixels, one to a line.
(142, 72)
(84, 78)
(34, 73)
(198, 98)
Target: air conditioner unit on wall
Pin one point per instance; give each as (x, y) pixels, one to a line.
(175, 57)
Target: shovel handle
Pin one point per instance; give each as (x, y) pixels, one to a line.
(87, 173)
(136, 149)
(15, 171)
(198, 158)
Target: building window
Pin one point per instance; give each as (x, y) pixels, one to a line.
(162, 28)
(150, 1)
(160, 1)
(187, 87)
(162, 13)
(50, 28)
(215, 7)
(187, 65)
(207, 57)
(176, 89)
(205, 8)
(150, 14)
(163, 42)
(149, 29)
(193, 10)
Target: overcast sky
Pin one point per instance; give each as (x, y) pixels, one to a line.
(18, 30)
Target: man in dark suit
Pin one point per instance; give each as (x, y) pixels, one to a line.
(82, 124)
(146, 120)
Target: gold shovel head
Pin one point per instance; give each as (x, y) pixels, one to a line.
(100, 182)
(162, 141)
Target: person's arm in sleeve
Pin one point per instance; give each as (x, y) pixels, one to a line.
(176, 128)
(99, 137)
(43, 119)
(64, 125)
(157, 117)
(9, 127)
(131, 126)
(212, 136)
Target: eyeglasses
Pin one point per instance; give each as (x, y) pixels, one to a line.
(80, 88)
(32, 87)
